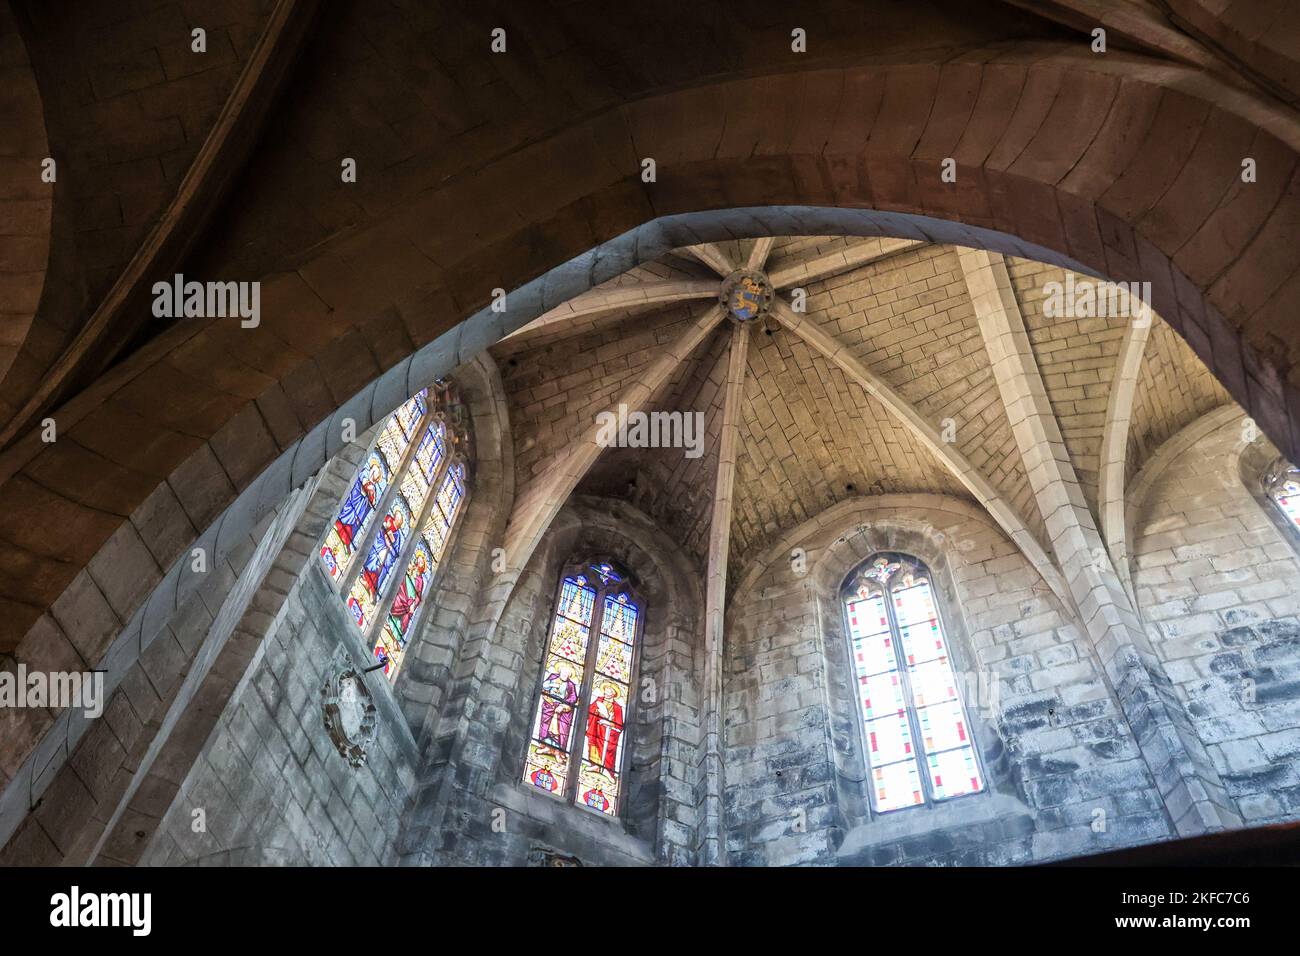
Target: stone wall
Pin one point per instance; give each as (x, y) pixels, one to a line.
(85, 773)
(268, 779)
(1216, 574)
(473, 806)
(229, 720)
(1064, 773)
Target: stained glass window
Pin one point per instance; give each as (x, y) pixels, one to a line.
(353, 519)
(1283, 484)
(403, 548)
(915, 732)
(578, 736)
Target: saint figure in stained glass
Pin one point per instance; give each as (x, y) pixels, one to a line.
(583, 691)
(604, 726)
(395, 482)
(379, 564)
(411, 595)
(557, 718)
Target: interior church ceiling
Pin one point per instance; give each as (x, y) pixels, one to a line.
(811, 245)
(812, 436)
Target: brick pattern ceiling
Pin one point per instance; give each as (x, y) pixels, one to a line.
(809, 436)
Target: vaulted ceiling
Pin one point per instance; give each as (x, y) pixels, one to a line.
(810, 435)
(478, 171)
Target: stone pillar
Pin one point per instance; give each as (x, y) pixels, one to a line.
(1193, 793)
(712, 843)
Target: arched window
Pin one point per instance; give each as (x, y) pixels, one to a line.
(1282, 483)
(415, 453)
(916, 735)
(582, 698)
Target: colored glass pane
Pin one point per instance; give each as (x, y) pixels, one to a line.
(603, 747)
(954, 773)
(443, 513)
(391, 642)
(372, 479)
(547, 768)
(582, 703)
(598, 789)
(377, 572)
(1287, 497)
(563, 672)
(619, 619)
(354, 515)
(897, 785)
(576, 600)
(913, 716)
(614, 659)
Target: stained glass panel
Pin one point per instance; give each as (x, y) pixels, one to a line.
(563, 673)
(607, 707)
(354, 515)
(395, 437)
(867, 616)
(391, 643)
(432, 449)
(570, 716)
(377, 571)
(933, 683)
(569, 639)
(1287, 497)
(942, 726)
(603, 751)
(914, 605)
(954, 773)
(614, 659)
(450, 493)
(547, 768)
(913, 715)
(443, 512)
(414, 488)
(619, 618)
(897, 785)
(872, 655)
(889, 738)
(577, 600)
(558, 705)
(598, 789)
(881, 695)
(411, 411)
(372, 480)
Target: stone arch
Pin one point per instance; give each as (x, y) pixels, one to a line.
(130, 650)
(1215, 575)
(27, 211)
(1255, 461)
(957, 541)
(426, 673)
(1123, 167)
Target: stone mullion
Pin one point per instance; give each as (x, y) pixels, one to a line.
(1190, 787)
(712, 843)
